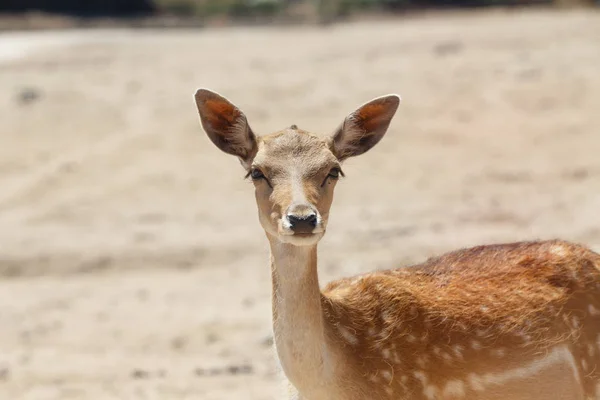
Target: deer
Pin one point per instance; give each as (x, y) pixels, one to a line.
(508, 321)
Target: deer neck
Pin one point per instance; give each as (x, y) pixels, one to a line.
(298, 320)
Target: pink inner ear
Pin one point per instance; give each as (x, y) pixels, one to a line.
(372, 115)
(220, 115)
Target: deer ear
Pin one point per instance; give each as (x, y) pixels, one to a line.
(365, 127)
(226, 125)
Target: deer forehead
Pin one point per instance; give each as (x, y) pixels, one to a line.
(294, 152)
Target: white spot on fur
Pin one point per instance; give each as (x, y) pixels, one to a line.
(411, 338)
(476, 345)
(436, 350)
(454, 388)
(575, 322)
(476, 382)
(420, 375)
(458, 350)
(389, 391)
(447, 357)
(371, 331)
(499, 352)
(525, 337)
(584, 365)
(480, 332)
(387, 375)
(591, 350)
(430, 392)
(404, 379)
(593, 310)
(421, 361)
(349, 337)
(385, 353)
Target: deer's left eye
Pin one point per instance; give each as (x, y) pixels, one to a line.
(334, 173)
(256, 174)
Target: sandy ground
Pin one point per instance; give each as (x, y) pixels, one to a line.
(132, 264)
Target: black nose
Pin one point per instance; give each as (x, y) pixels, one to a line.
(302, 223)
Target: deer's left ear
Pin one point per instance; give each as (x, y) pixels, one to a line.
(365, 127)
(226, 125)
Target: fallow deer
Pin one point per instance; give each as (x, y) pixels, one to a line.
(516, 321)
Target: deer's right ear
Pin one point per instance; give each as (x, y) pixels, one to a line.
(226, 125)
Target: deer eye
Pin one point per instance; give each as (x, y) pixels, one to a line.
(334, 174)
(256, 174)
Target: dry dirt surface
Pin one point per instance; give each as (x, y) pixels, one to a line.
(132, 264)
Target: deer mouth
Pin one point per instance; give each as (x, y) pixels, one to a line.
(301, 239)
(290, 233)
(299, 234)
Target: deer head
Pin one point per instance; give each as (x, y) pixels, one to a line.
(294, 172)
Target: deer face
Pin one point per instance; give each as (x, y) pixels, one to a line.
(294, 175)
(294, 172)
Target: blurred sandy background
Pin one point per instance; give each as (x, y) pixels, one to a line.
(132, 264)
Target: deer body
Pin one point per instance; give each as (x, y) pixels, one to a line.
(516, 321)
(449, 328)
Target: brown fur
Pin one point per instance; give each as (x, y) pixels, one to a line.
(520, 298)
